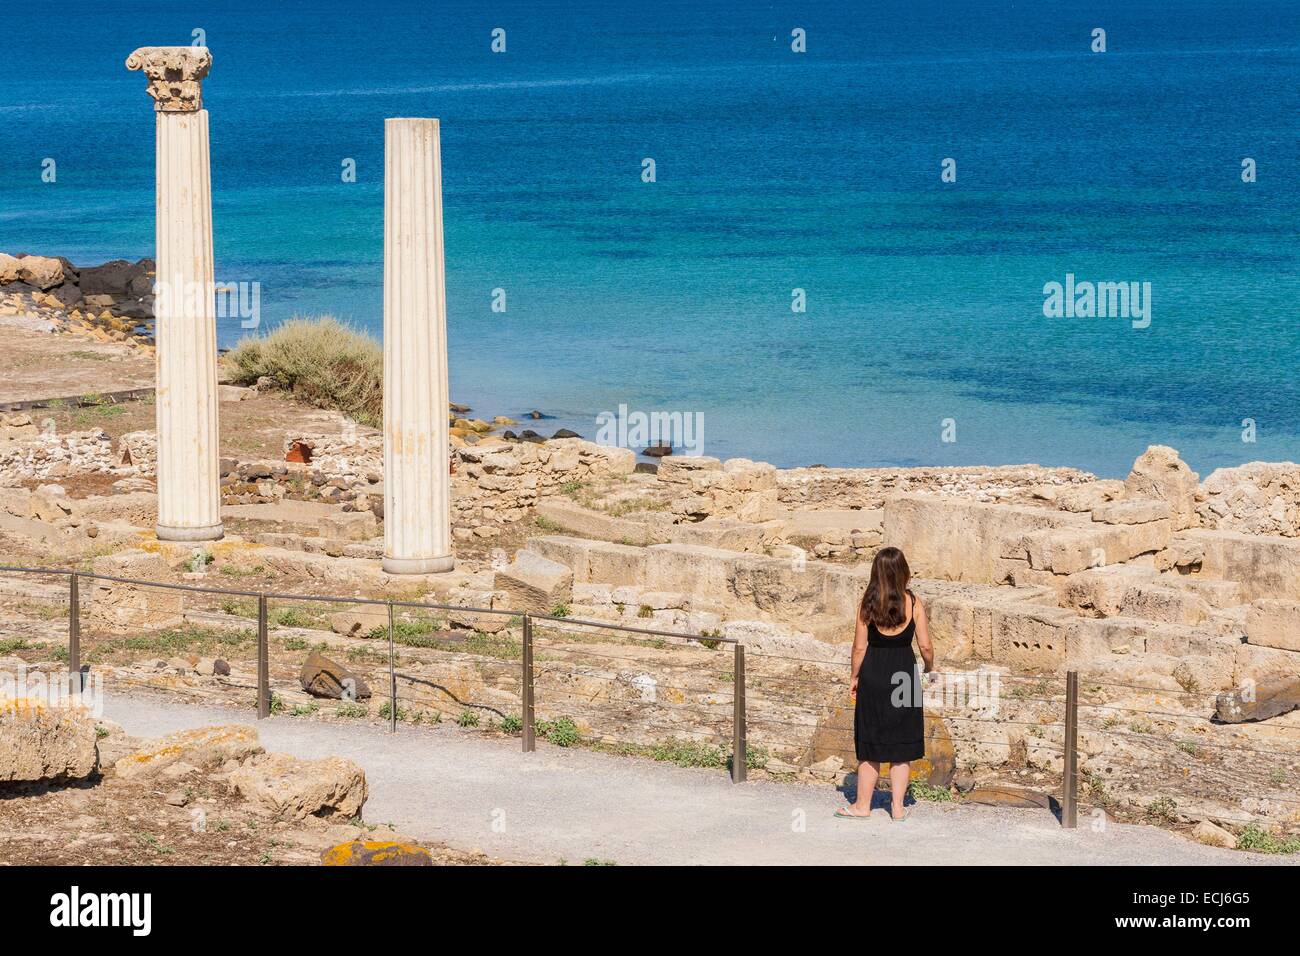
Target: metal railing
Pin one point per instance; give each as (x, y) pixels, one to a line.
(528, 670)
(755, 689)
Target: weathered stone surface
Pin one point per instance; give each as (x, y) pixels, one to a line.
(350, 526)
(1269, 697)
(964, 541)
(322, 677)
(42, 272)
(359, 621)
(1070, 550)
(1273, 623)
(1256, 498)
(293, 788)
(1265, 567)
(376, 853)
(1009, 796)
(174, 73)
(40, 742)
(123, 607)
(535, 583)
(202, 747)
(1160, 474)
(1132, 511)
(9, 269)
(1211, 835)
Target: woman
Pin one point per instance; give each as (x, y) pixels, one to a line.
(888, 720)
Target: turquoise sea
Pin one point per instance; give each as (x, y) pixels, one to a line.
(775, 171)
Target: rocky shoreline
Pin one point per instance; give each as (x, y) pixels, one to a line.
(112, 302)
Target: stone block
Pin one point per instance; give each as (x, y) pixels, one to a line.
(1265, 567)
(1030, 639)
(594, 562)
(294, 788)
(43, 742)
(535, 583)
(1160, 474)
(962, 540)
(120, 607)
(1274, 623)
(1132, 511)
(690, 569)
(350, 525)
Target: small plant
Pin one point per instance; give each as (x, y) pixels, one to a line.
(1189, 747)
(562, 731)
(200, 559)
(467, 718)
(560, 610)
(1163, 809)
(304, 710)
(322, 362)
(511, 724)
(1186, 679)
(101, 731)
(1141, 727)
(278, 705)
(386, 711)
(294, 617)
(1277, 776)
(1258, 840)
(545, 523)
(11, 644)
(689, 753)
(350, 709)
(592, 861)
(645, 611)
(920, 790)
(294, 643)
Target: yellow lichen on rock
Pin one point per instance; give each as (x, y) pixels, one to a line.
(376, 853)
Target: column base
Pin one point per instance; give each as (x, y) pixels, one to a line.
(419, 565)
(210, 532)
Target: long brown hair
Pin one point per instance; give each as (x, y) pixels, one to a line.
(883, 604)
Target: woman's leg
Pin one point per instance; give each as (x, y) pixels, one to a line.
(868, 774)
(899, 775)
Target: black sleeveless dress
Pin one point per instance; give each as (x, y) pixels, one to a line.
(889, 720)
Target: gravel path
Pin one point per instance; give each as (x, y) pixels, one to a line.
(475, 792)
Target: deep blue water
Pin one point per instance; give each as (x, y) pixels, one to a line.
(775, 171)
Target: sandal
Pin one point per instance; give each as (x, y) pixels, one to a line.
(906, 814)
(845, 814)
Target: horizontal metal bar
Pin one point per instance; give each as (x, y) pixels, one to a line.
(380, 602)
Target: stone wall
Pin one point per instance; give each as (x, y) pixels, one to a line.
(869, 487)
(1257, 498)
(30, 454)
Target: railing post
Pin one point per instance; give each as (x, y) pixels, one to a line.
(263, 661)
(74, 628)
(739, 748)
(526, 694)
(1070, 783)
(392, 675)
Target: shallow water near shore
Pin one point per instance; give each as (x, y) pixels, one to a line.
(775, 171)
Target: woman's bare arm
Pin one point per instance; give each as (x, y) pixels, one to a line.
(923, 635)
(859, 652)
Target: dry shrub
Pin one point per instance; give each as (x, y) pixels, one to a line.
(321, 361)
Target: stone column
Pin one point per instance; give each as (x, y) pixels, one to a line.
(417, 487)
(189, 500)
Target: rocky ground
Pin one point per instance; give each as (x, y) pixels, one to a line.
(210, 796)
(1164, 592)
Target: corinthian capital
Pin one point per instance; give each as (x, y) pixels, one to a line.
(174, 73)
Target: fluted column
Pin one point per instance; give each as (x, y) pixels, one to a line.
(189, 500)
(417, 492)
